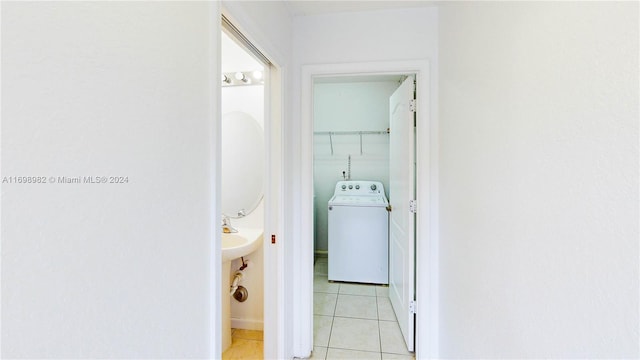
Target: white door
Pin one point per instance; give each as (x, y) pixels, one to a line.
(402, 218)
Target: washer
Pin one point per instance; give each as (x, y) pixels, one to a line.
(358, 224)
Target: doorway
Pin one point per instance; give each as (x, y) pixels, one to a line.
(355, 312)
(426, 290)
(267, 214)
(242, 200)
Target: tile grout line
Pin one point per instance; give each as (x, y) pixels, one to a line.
(379, 334)
(329, 341)
(326, 354)
(377, 319)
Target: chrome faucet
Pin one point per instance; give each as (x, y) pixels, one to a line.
(226, 225)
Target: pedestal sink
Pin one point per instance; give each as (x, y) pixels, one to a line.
(234, 245)
(244, 242)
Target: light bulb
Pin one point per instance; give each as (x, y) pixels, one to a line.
(240, 76)
(257, 74)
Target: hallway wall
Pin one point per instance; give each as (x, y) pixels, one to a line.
(108, 89)
(539, 180)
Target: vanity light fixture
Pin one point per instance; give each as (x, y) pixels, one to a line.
(240, 78)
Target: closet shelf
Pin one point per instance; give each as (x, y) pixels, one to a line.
(383, 132)
(331, 133)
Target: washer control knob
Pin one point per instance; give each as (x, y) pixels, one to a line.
(350, 187)
(357, 187)
(373, 186)
(344, 187)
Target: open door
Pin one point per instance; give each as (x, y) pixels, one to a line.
(402, 201)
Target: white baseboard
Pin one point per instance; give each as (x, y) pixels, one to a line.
(247, 324)
(321, 253)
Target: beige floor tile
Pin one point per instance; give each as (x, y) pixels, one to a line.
(321, 284)
(392, 340)
(321, 268)
(321, 330)
(351, 354)
(324, 304)
(386, 356)
(355, 306)
(248, 334)
(357, 289)
(385, 310)
(355, 334)
(319, 352)
(382, 291)
(242, 349)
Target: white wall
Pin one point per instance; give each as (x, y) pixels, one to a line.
(366, 36)
(248, 314)
(109, 270)
(539, 180)
(373, 36)
(348, 106)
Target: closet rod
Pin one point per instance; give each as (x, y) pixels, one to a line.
(351, 132)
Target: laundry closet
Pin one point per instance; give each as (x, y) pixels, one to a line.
(364, 241)
(351, 140)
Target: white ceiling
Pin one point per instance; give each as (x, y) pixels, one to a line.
(303, 7)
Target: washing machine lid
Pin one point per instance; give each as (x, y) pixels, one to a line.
(355, 200)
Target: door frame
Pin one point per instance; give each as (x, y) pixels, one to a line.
(427, 295)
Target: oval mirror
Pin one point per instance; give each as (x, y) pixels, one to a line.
(242, 164)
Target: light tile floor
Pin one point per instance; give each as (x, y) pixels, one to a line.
(353, 321)
(245, 345)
